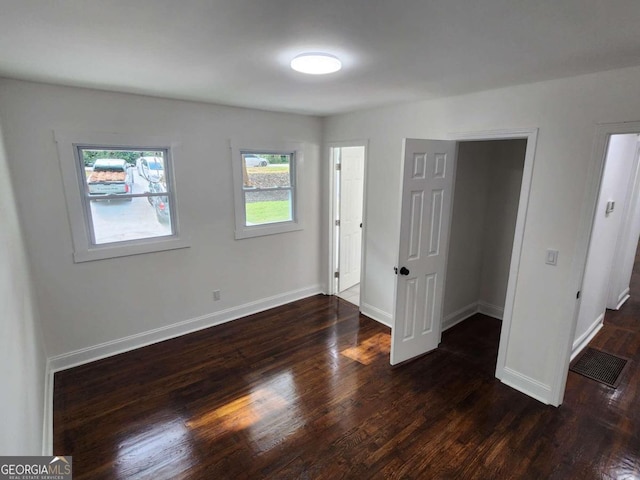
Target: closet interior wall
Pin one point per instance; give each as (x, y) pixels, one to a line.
(485, 208)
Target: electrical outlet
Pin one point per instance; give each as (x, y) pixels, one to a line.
(216, 295)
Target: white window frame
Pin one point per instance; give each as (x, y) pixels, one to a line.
(249, 231)
(84, 250)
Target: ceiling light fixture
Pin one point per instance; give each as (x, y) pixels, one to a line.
(316, 63)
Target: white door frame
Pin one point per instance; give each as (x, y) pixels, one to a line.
(530, 135)
(332, 211)
(603, 132)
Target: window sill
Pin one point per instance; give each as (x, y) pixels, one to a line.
(271, 229)
(125, 250)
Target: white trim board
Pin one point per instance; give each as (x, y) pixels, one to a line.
(527, 385)
(461, 315)
(622, 298)
(47, 422)
(490, 310)
(139, 340)
(587, 336)
(376, 314)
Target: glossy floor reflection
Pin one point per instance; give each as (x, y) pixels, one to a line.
(306, 391)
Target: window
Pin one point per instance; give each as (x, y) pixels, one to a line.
(119, 187)
(120, 198)
(265, 192)
(267, 188)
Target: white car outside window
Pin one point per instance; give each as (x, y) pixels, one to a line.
(152, 168)
(255, 161)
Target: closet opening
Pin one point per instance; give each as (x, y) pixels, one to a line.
(486, 198)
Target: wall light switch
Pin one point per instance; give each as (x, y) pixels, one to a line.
(552, 257)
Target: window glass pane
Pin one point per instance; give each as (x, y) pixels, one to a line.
(268, 207)
(126, 172)
(119, 220)
(261, 170)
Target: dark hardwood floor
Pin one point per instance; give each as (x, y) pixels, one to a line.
(305, 391)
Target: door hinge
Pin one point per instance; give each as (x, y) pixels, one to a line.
(338, 166)
(578, 294)
(337, 223)
(336, 274)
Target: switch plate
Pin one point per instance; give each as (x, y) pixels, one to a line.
(552, 257)
(216, 295)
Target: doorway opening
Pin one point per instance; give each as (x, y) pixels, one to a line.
(593, 210)
(348, 167)
(486, 197)
(425, 220)
(614, 238)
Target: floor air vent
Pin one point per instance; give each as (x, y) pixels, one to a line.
(599, 366)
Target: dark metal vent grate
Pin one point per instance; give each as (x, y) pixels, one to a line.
(600, 366)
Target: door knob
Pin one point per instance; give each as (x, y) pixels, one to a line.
(404, 271)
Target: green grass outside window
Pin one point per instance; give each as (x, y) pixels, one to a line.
(268, 212)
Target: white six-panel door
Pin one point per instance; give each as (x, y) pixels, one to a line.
(429, 167)
(351, 202)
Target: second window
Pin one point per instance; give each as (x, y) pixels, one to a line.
(268, 187)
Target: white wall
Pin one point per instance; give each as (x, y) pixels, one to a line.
(627, 241)
(566, 112)
(22, 354)
(99, 302)
(505, 169)
(466, 244)
(619, 168)
(485, 207)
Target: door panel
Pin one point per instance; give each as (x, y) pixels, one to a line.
(415, 235)
(437, 199)
(424, 230)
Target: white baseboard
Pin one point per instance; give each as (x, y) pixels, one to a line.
(376, 314)
(526, 385)
(586, 337)
(490, 310)
(447, 322)
(459, 316)
(47, 423)
(132, 342)
(623, 297)
(468, 311)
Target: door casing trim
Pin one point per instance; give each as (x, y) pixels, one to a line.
(331, 214)
(531, 136)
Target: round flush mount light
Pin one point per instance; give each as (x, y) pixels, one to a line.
(316, 63)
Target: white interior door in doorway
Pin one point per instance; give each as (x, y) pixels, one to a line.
(350, 200)
(428, 171)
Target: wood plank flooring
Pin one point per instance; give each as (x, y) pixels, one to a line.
(305, 391)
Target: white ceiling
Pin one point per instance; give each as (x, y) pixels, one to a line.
(236, 52)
